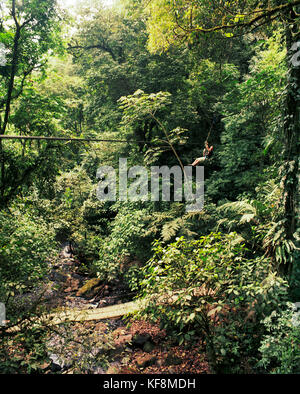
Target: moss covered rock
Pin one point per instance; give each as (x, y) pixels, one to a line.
(90, 288)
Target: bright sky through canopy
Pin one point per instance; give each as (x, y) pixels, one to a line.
(71, 3)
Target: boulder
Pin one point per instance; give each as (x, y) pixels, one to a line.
(57, 364)
(148, 346)
(172, 359)
(90, 288)
(71, 284)
(56, 276)
(139, 340)
(145, 361)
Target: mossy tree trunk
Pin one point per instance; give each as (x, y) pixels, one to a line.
(290, 167)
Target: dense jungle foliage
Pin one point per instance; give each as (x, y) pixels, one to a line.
(143, 72)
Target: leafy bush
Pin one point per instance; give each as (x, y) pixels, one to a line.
(26, 243)
(261, 222)
(295, 278)
(280, 348)
(127, 240)
(210, 288)
(24, 352)
(133, 277)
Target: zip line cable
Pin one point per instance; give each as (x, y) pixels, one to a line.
(71, 139)
(93, 140)
(66, 139)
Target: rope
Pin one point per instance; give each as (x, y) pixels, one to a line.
(43, 138)
(66, 139)
(209, 133)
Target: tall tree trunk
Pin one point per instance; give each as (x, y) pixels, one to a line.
(14, 67)
(10, 88)
(290, 167)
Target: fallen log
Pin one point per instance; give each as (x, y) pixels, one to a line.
(78, 315)
(108, 312)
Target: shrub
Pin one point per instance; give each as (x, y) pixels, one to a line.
(26, 243)
(24, 351)
(295, 277)
(208, 288)
(127, 240)
(280, 348)
(133, 277)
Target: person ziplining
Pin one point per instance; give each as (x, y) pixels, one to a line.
(207, 154)
(208, 150)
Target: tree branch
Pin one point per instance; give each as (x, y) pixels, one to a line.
(97, 46)
(263, 14)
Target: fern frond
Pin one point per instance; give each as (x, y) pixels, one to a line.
(157, 219)
(177, 227)
(170, 229)
(220, 222)
(238, 208)
(247, 217)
